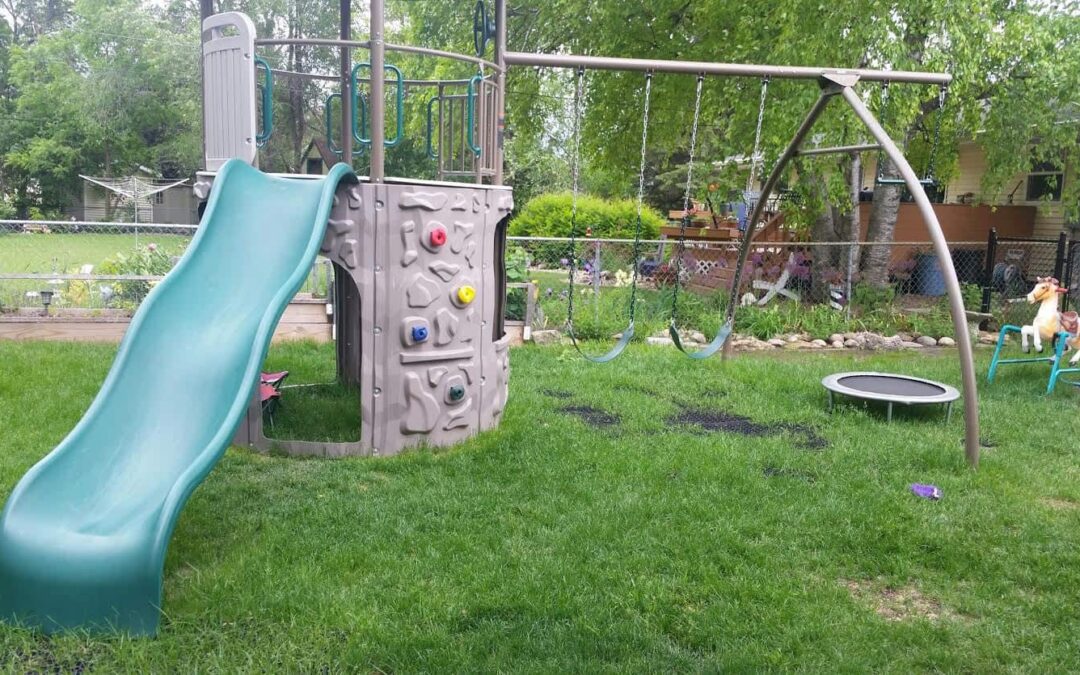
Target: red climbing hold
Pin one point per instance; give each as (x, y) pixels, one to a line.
(438, 236)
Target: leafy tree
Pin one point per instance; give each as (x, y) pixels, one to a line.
(1015, 65)
(113, 91)
(298, 102)
(96, 87)
(27, 20)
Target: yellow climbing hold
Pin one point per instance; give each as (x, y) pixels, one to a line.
(466, 294)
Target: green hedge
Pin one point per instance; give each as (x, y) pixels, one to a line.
(549, 216)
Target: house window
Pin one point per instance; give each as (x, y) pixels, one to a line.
(159, 198)
(314, 165)
(1044, 183)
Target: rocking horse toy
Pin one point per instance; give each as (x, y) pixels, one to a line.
(1062, 329)
(1049, 322)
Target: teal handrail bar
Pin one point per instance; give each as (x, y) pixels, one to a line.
(399, 97)
(360, 106)
(471, 121)
(267, 91)
(328, 118)
(359, 102)
(432, 153)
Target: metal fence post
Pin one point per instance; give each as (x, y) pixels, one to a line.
(1059, 258)
(1067, 278)
(988, 270)
(596, 269)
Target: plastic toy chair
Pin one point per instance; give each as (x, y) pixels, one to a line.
(270, 392)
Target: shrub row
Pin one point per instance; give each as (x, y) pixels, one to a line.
(549, 215)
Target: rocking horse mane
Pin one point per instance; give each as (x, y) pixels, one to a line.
(1043, 286)
(1070, 322)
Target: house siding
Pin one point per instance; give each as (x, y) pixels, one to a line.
(1050, 216)
(971, 166)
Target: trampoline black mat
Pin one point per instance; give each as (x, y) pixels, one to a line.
(893, 386)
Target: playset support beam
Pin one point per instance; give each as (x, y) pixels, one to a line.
(726, 69)
(378, 89)
(842, 85)
(766, 190)
(206, 10)
(500, 88)
(346, 85)
(839, 150)
(952, 286)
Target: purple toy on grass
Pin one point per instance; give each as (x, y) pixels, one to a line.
(926, 491)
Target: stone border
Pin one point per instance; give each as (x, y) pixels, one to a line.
(864, 340)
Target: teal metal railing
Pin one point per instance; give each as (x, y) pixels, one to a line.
(266, 91)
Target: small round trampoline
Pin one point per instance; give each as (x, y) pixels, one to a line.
(890, 388)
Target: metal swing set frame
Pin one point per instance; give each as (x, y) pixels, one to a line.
(834, 83)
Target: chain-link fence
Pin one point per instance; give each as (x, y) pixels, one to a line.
(59, 266)
(891, 287)
(1071, 278)
(109, 267)
(1012, 269)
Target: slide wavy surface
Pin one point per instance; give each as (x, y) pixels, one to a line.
(83, 535)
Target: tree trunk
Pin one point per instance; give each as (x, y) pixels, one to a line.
(22, 202)
(827, 227)
(879, 233)
(854, 223)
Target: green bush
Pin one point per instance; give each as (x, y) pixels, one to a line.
(936, 322)
(549, 216)
(868, 298)
(972, 296)
(517, 269)
(148, 260)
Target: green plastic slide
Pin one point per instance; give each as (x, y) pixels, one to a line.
(83, 535)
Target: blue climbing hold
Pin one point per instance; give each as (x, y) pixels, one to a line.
(419, 333)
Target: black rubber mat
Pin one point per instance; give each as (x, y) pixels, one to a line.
(719, 421)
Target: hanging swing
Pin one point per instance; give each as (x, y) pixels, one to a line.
(755, 166)
(928, 179)
(628, 333)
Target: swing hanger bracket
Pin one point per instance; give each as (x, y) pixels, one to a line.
(943, 93)
(834, 83)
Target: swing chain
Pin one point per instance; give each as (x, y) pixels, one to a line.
(640, 198)
(680, 249)
(884, 101)
(882, 115)
(757, 160)
(575, 172)
(943, 92)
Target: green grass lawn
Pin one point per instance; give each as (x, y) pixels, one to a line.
(550, 545)
(314, 406)
(67, 252)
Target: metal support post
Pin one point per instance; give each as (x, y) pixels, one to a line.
(952, 286)
(346, 86)
(500, 89)
(378, 89)
(770, 184)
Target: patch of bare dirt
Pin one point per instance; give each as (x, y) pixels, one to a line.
(1060, 504)
(906, 603)
(594, 417)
